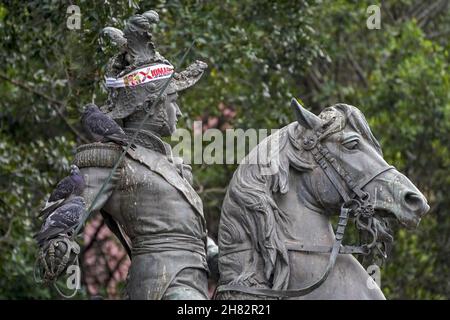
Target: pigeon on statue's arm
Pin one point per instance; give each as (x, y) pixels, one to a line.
(62, 221)
(68, 187)
(102, 128)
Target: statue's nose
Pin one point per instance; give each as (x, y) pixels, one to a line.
(416, 203)
(179, 114)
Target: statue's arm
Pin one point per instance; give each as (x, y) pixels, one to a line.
(99, 186)
(96, 162)
(97, 165)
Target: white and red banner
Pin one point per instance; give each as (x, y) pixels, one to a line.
(141, 76)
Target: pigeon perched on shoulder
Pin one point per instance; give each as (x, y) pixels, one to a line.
(72, 185)
(62, 221)
(102, 128)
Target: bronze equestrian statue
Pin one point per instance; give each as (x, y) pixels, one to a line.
(275, 236)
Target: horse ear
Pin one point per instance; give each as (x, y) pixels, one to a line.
(305, 118)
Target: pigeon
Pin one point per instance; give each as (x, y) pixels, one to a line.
(62, 221)
(102, 128)
(72, 185)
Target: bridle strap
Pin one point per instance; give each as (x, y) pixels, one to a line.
(300, 247)
(343, 218)
(338, 176)
(376, 174)
(320, 158)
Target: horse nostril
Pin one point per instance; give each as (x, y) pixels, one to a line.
(415, 202)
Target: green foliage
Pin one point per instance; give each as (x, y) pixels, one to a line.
(399, 77)
(412, 93)
(260, 53)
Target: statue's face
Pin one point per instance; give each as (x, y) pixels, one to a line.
(173, 112)
(163, 117)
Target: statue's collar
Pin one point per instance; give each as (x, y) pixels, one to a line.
(149, 140)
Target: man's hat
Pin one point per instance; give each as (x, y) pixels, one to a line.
(138, 72)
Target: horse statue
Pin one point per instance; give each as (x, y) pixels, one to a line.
(275, 235)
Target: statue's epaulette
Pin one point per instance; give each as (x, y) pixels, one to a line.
(97, 155)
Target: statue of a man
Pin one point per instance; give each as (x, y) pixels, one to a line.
(149, 202)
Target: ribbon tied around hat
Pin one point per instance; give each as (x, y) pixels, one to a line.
(141, 76)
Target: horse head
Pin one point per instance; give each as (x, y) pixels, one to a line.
(344, 132)
(322, 165)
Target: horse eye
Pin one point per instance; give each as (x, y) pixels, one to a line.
(351, 145)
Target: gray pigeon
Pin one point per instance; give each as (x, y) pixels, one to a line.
(72, 185)
(62, 221)
(102, 128)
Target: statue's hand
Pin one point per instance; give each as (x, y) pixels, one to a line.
(56, 256)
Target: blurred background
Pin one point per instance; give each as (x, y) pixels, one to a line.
(260, 54)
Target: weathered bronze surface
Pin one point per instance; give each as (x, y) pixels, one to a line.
(275, 237)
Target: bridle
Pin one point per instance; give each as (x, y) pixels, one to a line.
(356, 202)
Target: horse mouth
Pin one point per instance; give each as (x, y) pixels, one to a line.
(410, 223)
(384, 213)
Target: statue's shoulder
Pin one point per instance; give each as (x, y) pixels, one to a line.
(97, 155)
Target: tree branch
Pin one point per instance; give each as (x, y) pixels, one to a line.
(116, 268)
(94, 239)
(357, 68)
(55, 104)
(438, 34)
(314, 79)
(5, 237)
(424, 17)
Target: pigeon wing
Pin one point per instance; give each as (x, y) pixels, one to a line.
(62, 190)
(62, 220)
(107, 128)
(103, 125)
(50, 207)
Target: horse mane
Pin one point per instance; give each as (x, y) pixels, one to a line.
(249, 201)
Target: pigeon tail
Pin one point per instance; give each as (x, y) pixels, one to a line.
(121, 139)
(48, 234)
(49, 207)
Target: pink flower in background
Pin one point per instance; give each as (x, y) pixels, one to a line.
(221, 122)
(105, 262)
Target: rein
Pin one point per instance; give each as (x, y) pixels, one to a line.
(356, 202)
